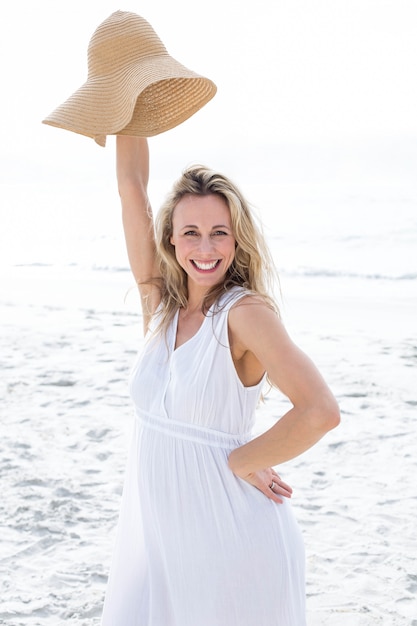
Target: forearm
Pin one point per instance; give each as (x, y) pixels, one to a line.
(297, 431)
(139, 235)
(132, 169)
(132, 163)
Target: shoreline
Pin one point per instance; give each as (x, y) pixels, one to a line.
(66, 356)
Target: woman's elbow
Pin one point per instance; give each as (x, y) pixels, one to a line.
(327, 414)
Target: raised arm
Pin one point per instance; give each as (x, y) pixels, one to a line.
(132, 168)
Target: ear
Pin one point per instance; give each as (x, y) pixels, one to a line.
(171, 241)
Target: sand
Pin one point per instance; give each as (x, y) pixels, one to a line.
(65, 425)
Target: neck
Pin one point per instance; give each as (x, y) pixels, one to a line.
(195, 299)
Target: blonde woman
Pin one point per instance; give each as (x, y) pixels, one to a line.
(206, 535)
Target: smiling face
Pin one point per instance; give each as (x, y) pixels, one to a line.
(203, 239)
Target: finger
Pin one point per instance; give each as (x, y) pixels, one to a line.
(277, 479)
(281, 489)
(283, 492)
(284, 486)
(270, 493)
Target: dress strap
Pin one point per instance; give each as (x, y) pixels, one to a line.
(228, 299)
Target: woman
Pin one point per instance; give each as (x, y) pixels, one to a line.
(206, 536)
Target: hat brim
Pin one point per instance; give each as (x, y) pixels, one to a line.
(143, 99)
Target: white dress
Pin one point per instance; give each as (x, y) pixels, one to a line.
(197, 546)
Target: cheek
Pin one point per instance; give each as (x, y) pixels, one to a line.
(181, 249)
(232, 248)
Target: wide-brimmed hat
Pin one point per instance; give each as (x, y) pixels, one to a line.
(134, 87)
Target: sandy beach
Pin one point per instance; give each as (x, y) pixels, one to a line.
(315, 120)
(66, 419)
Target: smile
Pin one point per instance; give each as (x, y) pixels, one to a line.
(205, 267)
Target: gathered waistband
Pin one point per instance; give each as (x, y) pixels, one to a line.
(192, 432)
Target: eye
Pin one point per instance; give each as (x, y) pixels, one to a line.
(218, 233)
(191, 233)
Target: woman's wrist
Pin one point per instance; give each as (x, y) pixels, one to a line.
(235, 463)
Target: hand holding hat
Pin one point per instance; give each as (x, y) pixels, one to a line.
(134, 87)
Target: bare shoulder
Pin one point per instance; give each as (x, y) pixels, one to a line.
(252, 320)
(260, 342)
(249, 309)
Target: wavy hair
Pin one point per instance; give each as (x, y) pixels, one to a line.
(252, 267)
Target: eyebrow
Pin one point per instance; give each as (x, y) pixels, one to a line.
(215, 226)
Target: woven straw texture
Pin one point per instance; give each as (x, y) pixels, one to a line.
(133, 87)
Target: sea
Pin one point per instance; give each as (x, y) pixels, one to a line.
(342, 227)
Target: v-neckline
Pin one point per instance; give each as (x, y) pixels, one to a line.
(175, 329)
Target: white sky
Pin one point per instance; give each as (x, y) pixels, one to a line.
(287, 71)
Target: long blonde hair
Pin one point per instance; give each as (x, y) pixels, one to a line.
(252, 267)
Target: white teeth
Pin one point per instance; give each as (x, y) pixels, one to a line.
(205, 266)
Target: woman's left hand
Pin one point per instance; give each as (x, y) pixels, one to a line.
(270, 483)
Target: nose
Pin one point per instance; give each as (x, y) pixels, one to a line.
(206, 245)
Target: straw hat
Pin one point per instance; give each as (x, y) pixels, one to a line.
(134, 87)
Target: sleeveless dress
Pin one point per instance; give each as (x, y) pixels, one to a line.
(197, 546)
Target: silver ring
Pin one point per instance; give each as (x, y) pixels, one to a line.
(272, 485)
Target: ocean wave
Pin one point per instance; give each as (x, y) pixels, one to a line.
(312, 272)
(74, 266)
(110, 268)
(300, 271)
